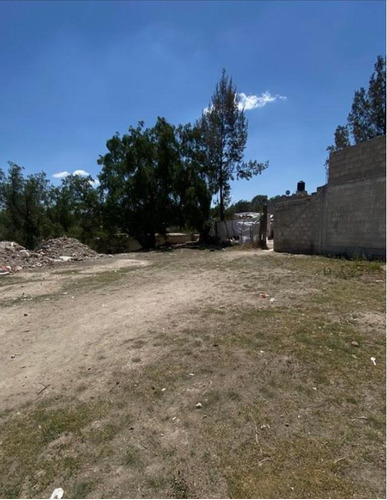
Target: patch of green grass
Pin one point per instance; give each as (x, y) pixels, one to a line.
(28, 466)
(249, 471)
(93, 282)
(156, 482)
(80, 489)
(105, 433)
(98, 280)
(132, 457)
(67, 272)
(179, 487)
(55, 422)
(29, 299)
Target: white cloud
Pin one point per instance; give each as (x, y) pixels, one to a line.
(248, 102)
(61, 175)
(95, 183)
(82, 173)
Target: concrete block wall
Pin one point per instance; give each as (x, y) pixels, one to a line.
(363, 161)
(345, 217)
(297, 222)
(292, 226)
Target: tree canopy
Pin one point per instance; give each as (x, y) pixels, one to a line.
(151, 179)
(367, 118)
(23, 204)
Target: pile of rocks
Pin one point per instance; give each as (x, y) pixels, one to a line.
(14, 257)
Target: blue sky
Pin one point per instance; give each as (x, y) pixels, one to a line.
(74, 73)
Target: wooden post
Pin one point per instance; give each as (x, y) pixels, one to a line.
(263, 229)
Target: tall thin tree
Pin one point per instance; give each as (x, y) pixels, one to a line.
(224, 130)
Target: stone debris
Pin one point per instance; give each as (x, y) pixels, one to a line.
(14, 257)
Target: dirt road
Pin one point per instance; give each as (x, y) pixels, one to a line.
(131, 344)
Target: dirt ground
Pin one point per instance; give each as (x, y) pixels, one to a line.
(236, 373)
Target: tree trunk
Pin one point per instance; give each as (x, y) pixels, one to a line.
(221, 203)
(146, 240)
(263, 229)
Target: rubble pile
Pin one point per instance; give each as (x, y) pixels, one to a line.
(14, 257)
(66, 247)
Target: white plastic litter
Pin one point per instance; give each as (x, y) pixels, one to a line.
(373, 360)
(57, 493)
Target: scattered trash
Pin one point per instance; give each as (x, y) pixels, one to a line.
(263, 461)
(13, 356)
(198, 406)
(272, 300)
(314, 388)
(4, 271)
(262, 351)
(65, 258)
(163, 389)
(173, 418)
(354, 343)
(57, 493)
(263, 295)
(373, 360)
(44, 388)
(192, 374)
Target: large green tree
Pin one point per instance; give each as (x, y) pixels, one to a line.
(224, 131)
(75, 209)
(367, 118)
(151, 179)
(23, 203)
(191, 181)
(128, 183)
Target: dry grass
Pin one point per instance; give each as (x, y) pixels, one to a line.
(291, 408)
